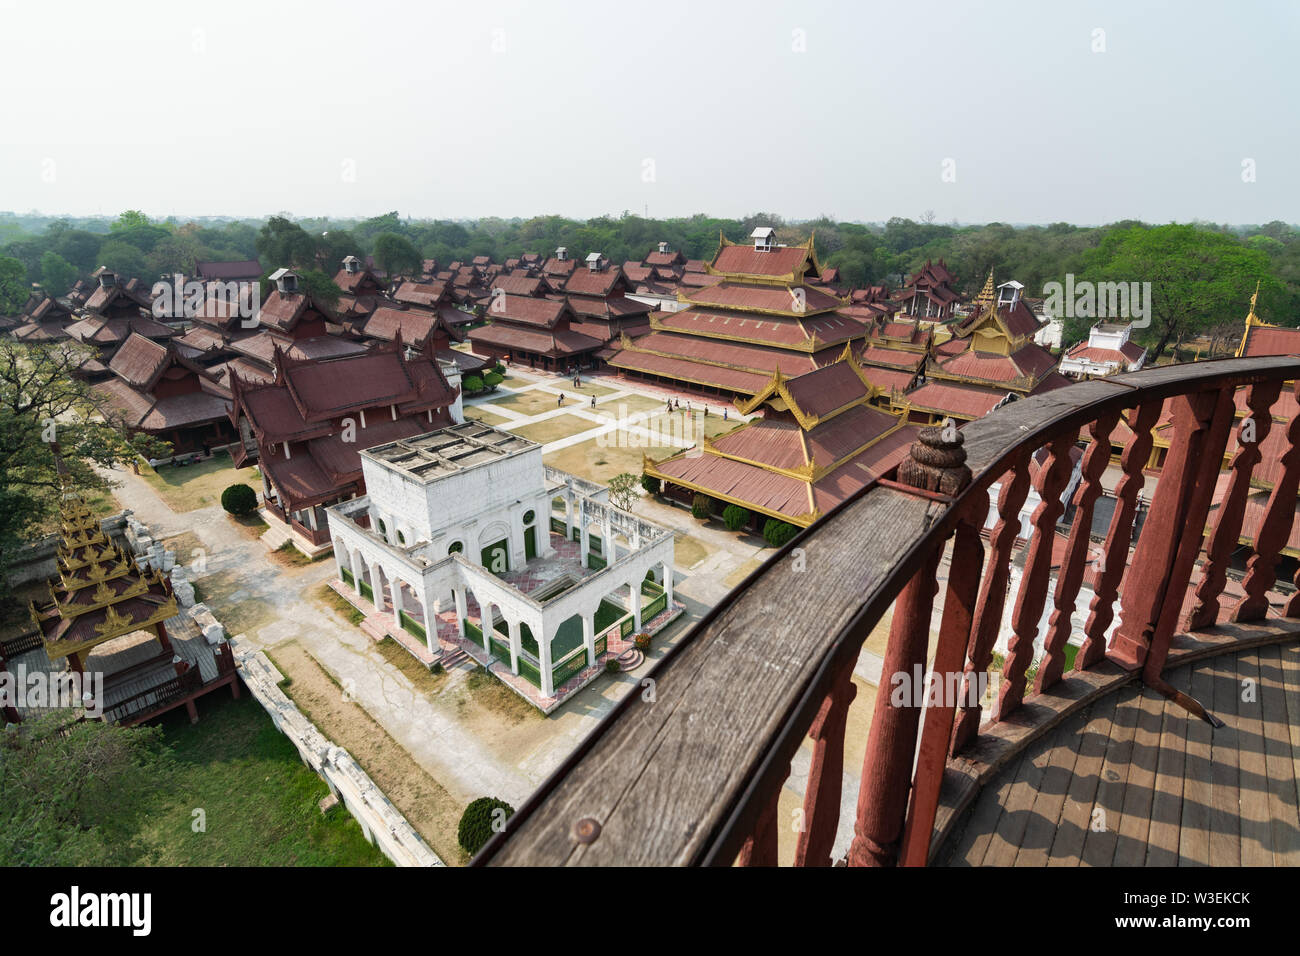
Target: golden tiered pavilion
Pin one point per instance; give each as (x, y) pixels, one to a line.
(98, 596)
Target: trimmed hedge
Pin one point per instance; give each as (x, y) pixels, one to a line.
(476, 823)
(493, 379)
(651, 484)
(777, 533)
(735, 517)
(701, 506)
(239, 500)
(472, 384)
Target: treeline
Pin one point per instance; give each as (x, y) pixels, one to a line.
(1180, 260)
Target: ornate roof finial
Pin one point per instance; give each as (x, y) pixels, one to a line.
(1251, 317)
(987, 297)
(937, 461)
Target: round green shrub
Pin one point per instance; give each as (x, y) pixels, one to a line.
(493, 379)
(499, 368)
(612, 666)
(472, 384)
(476, 823)
(642, 642)
(239, 500)
(735, 517)
(651, 484)
(777, 533)
(701, 506)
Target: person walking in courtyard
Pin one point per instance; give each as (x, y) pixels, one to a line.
(560, 403)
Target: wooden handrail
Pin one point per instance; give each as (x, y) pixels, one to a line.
(690, 773)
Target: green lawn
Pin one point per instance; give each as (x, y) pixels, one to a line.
(259, 801)
(191, 487)
(553, 429)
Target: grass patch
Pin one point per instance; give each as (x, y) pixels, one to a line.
(290, 556)
(534, 402)
(259, 802)
(553, 429)
(483, 688)
(197, 486)
(600, 459)
(742, 572)
(688, 551)
(339, 605)
(252, 525)
(479, 413)
(411, 667)
(239, 612)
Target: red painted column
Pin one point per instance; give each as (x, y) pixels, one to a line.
(1119, 536)
(1149, 581)
(1070, 577)
(993, 594)
(1232, 509)
(825, 775)
(1053, 476)
(887, 769)
(950, 655)
(760, 847)
(1273, 533)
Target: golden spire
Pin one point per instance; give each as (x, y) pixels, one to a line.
(986, 298)
(1251, 317)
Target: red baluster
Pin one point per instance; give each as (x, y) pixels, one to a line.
(887, 769)
(1053, 476)
(1274, 531)
(993, 595)
(1118, 536)
(1070, 578)
(825, 776)
(1232, 509)
(1172, 534)
(954, 636)
(759, 848)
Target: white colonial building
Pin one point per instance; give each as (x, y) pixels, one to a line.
(1107, 351)
(461, 518)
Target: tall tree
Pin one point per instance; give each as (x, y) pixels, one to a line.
(14, 291)
(394, 254)
(57, 273)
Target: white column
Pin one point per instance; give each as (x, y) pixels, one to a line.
(544, 652)
(459, 596)
(430, 622)
(589, 637)
(485, 623)
(514, 646)
(568, 513)
(607, 550)
(395, 586)
(636, 606)
(668, 582)
(584, 532)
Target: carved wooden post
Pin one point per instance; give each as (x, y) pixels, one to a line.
(821, 801)
(993, 595)
(1119, 536)
(1273, 532)
(1053, 477)
(937, 464)
(950, 655)
(1171, 536)
(1070, 577)
(1227, 525)
(760, 846)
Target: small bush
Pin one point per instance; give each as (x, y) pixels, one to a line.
(499, 369)
(777, 533)
(239, 500)
(612, 666)
(735, 517)
(479, 821)
(642, 642)
(472, 384)
(701, 506)
(493, 379)
(651, 484)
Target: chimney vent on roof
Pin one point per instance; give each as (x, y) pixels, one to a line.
(595, 261)
(107, 280)
(561, 253)
(764, 237)
(351, 264)
(285, 281)
(663, 247)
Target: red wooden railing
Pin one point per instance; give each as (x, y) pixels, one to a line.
(693, 773)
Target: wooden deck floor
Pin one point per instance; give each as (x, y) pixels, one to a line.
(1132, 780)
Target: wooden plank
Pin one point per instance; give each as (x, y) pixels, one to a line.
(1044, 821)
(1135, 819)
(662, 775)
(982, 821)
(1290, 657)
(1103, 830)
(1282, 800)
(1167, 791)
(1194, 828)
(1076, 815)
(1225, 807)
(1018, 805)
(1253, 786)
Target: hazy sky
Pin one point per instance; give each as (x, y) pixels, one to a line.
(856, 110)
